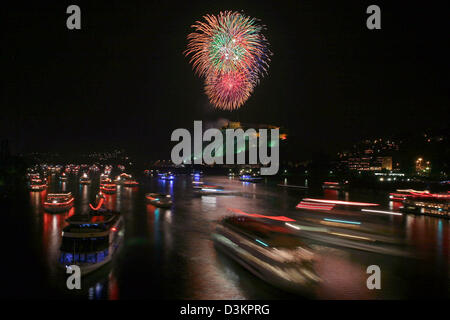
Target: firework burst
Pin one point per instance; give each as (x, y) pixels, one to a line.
(228, 90)
(231, 53)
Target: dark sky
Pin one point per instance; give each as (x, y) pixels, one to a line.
(122, 80)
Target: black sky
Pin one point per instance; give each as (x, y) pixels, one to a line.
(122, 80)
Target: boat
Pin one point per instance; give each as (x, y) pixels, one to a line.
(196, 174)
(334, 185)
(130, 183)
(148, 172)
(269, 251)
(126, 180)
(402, 194)
(108, 188)
(197, 184)
(251, 178)
(167, 176)
(33, 175)
(58, 202)
(37, 185)
(91, 241)
(104, 178)
(84, 179)
(63, 177)
(212, 190)
(431, 204)
(159, 199)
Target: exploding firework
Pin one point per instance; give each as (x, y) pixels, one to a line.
(231, 53)
(228, 90)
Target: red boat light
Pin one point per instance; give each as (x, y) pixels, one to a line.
(255, 215)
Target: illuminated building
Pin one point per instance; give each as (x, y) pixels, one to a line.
(422, 167)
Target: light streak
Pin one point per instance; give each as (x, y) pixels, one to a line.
(346, 203)
(385, 212)
(342, 221)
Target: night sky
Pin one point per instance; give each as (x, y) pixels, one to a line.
(122, 81)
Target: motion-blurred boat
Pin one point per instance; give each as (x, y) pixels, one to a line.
(271, 252)
(212, 190)
(335, 185)
(159, 199)
(402, 194)
(251, 177)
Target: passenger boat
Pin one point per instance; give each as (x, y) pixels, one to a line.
(33, 175)
(104, 178)
(167, 176)
(159, 199)
(271, 252)
(432, 204)
(212, 190)
(130, 183)
(90, 241)
(108, 188)
(84, 179)
(37, 185)
(197, 174)
(403, 194)
(126, 180)
(58, 202)
(251, 178)
(148, 172)
(334, 185)
(197, 185)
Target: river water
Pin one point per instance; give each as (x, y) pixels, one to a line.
(169, 254)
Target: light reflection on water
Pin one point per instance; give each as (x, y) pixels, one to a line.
(177, 243)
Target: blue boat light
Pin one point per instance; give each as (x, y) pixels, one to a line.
(263, 243)
(342, 221)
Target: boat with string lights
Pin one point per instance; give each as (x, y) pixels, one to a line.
(37, 185)
(84, 179)
(169, 176)
(402, 194)
(426, 203)
(159, 199)
(335, 185)
(58, 202)
(251, 178)
(108, 188)
(126, 180)
(90, 241)
(270, 251)
(104, 178)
